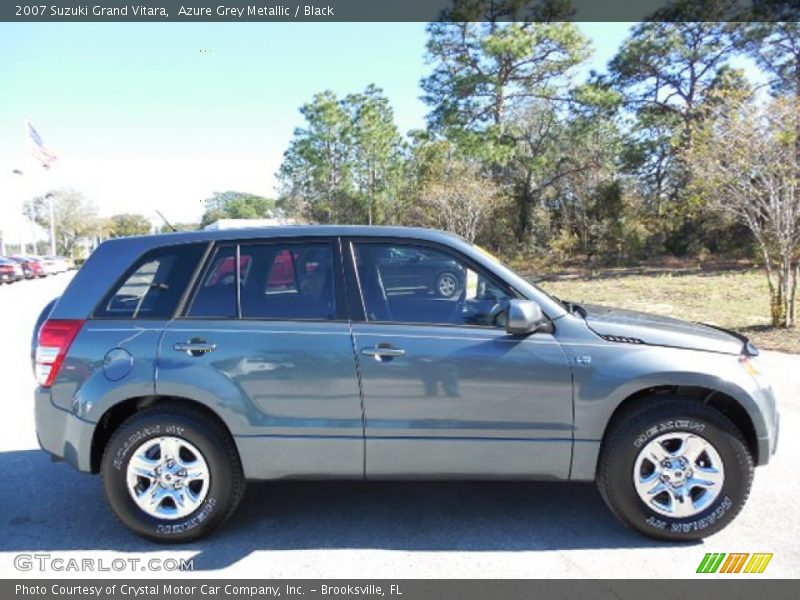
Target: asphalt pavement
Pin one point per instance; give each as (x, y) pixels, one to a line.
(375, 530)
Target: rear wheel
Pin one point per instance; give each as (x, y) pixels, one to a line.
(675, 469)
(171, 474)
(447, 284)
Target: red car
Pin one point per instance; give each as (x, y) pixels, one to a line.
(30, 266)
(281, 274)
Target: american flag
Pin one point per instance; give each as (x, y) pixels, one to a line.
(41, 152)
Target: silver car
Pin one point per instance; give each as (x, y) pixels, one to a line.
(181, 366)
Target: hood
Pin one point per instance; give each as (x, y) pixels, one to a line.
(661, 331)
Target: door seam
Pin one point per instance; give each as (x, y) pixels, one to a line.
(157, 362)
(361, 395)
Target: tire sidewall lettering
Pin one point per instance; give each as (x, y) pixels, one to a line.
(133, 441)
(687, 425)
(194, 520)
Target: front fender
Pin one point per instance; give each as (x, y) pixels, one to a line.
(606, 374)
(617, 372)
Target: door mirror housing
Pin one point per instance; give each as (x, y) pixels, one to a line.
(524, 317)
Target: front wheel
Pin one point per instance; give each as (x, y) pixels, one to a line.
(675, 469)
(172, 474)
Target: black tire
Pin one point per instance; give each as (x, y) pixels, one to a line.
(654, 417)
(226, 481)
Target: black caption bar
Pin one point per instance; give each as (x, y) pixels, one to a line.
(412, 589)
(396, 10)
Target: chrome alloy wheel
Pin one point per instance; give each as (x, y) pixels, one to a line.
(678, 474)
(447, 285)
(168, 477)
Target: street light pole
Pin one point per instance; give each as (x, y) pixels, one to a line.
(52, 226)
(27, 202)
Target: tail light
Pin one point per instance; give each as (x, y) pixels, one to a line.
(55, 338)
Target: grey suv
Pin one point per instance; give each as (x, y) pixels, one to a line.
(179, 366)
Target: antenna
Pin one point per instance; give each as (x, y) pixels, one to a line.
(167, 223)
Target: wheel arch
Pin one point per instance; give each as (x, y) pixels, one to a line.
(117, 414)
(723, 402)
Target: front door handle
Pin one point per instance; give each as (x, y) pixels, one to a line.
(194, 347)
(383, 351)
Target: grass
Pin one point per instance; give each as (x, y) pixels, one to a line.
(730, 298)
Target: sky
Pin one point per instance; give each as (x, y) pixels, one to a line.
(148, 117)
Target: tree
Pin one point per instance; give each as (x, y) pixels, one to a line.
(486, 71)
(315, 173)
(775, 44)
(236, 205)
(124, 225)
(501, 90)
(344, 165)
(75, 218)
(666, 71)
(672, 65)
(745, 163)
(588, 199)
(551, 149)
(461, 201)
(377, 148)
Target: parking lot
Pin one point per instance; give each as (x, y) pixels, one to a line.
(375, 530)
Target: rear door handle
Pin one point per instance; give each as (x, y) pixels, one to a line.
(195, 347)
(382, 351)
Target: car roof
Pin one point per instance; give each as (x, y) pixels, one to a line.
(295, 231)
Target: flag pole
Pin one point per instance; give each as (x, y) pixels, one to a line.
(46, 158)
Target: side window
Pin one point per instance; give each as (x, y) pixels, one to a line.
(216, 295)
(287, 281)
(415, 284)
(155, 285)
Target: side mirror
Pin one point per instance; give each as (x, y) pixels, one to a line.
(524, 316)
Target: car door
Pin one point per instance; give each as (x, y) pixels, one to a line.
(447, 393)
(274, 355)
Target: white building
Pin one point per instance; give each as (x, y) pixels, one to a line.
(17, 232)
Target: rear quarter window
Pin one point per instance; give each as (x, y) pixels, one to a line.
(154, 285)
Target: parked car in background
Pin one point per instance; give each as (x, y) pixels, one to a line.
(419, 271)
(54, 264)
(281, 275)
(31, 267)
(61, 265)
(10, 271)
(49, 266)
